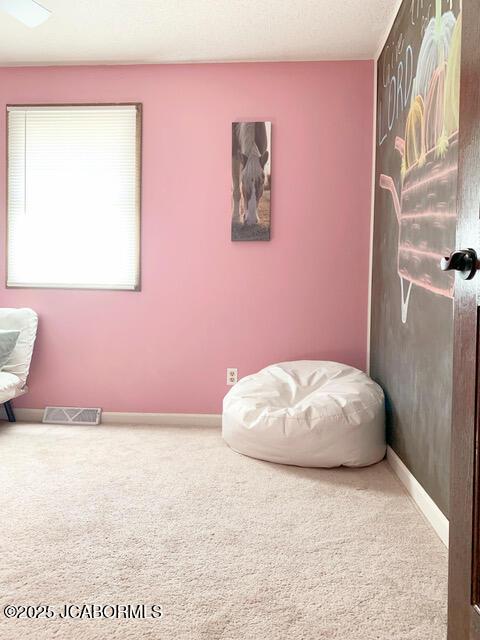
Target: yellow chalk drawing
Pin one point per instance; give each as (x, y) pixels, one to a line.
(414, 135)
(452, 82)
(434, 113)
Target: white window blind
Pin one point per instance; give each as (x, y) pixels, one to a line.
(73, 196)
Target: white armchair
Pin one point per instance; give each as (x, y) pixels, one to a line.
(13, 376)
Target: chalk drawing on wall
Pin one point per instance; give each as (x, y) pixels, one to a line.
(425, 198)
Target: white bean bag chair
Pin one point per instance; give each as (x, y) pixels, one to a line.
(307, 413)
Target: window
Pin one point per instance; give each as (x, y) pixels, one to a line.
(74, 196)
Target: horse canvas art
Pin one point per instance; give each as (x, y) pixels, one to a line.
(251, 180)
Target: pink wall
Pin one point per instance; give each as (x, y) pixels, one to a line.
(207, 303)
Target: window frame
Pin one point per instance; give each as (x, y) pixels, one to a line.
(138, 206)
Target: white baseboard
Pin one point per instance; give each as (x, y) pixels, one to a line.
(28, 415)
(427, 506)
(163, 419)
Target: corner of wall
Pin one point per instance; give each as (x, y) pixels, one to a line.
(372, 214)
(383, 40)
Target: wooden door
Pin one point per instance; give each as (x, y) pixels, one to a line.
(464, 551)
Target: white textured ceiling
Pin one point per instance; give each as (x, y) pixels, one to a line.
(149, 31)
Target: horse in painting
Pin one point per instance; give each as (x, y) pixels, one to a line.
(249, 157)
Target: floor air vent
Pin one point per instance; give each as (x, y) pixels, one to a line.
(71, 415)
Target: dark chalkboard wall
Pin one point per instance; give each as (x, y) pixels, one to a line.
(414, 225)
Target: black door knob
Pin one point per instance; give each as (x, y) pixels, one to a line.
(463, 260)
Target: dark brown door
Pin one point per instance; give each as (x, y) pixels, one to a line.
(464, 551)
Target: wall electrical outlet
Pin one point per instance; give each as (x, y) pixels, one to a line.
(232, 376)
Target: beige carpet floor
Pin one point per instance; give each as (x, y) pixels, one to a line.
(232, 548)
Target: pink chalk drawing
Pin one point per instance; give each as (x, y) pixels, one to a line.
(425, 200)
